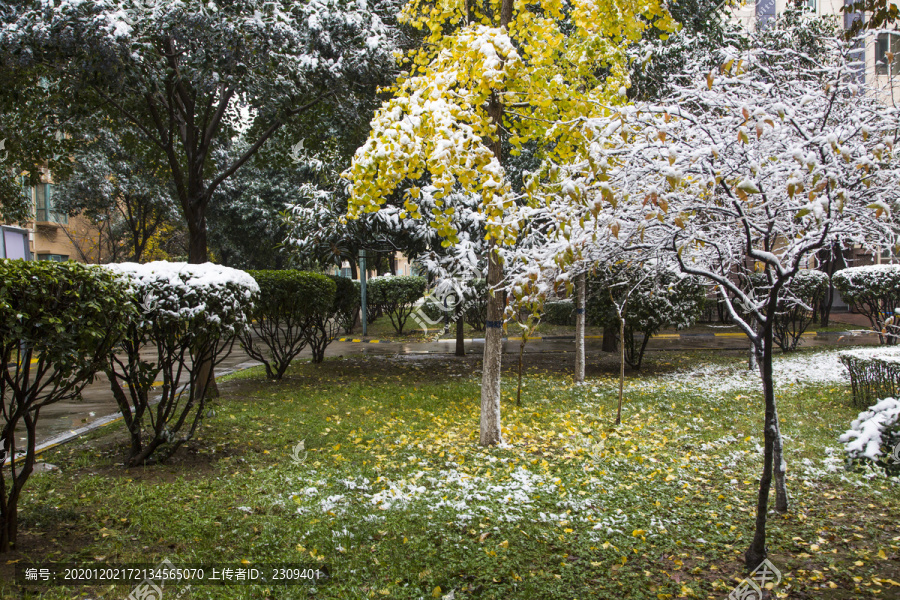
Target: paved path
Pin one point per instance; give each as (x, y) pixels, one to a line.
(63, 421)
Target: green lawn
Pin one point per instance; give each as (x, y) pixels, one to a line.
(394, 494)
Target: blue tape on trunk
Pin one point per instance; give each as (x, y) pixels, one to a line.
(494, 324)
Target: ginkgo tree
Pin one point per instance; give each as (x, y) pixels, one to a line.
(748, 170)
(489, 79)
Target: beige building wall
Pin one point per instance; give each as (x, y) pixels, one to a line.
(55, 236)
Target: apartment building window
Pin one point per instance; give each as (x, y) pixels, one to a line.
(884, 44)
(44, 209)
(54, 257)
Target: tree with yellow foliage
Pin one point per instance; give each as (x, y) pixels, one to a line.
(490, 78)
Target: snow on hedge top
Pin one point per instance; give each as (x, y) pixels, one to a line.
(879, 353)
(864, 437)
(208, 295)
(206, 275)
(868, 274)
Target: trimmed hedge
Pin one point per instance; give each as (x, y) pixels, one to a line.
(327, 324)
(58, 323)
(874, 374)
(284, 313)
(347, 300)
(873, 291)
(396, 296)
(561, 312)
(188, 319)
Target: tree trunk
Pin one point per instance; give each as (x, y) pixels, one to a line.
(780, 468)
(354, 273)
(460, 336)
(621, 367)
(493, 350)
(493, 343)
(579, 328)
(757, 551)
(519, 389)
(779, 464)
(197, 250)
(609, 339)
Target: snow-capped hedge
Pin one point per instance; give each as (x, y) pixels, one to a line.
(874, 373)
(661, 299)
(200, 296)
(874, 291)
(188, 318)
(874, 436)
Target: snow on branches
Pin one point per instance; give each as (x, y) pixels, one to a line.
(752, 166)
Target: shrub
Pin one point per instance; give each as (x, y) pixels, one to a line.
(327, 322)
(58, 322)
(283, 317)
(662, 299)
(189, 317)
(796, 303)
(559, 313)
(396, 296)
(347, 299)
(874, 437)
(874, 373)
(873, 291)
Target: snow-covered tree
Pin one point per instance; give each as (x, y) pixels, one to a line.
(187, 76)
(750, 167)
(489, 72)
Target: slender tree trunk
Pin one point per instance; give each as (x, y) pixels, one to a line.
(780, 468)
(757, 551)
(609, 339)
(579, 328)
(779, 463)
(493, 350)
(519, 389)
(460, 336)
(621, 366)
(197, 249)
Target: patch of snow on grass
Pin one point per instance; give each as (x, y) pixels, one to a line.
(820, 368)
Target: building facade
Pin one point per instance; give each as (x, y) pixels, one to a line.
(50, 234)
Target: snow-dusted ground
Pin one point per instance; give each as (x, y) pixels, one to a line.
(820, 368)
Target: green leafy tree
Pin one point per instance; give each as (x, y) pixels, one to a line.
(186, 77)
